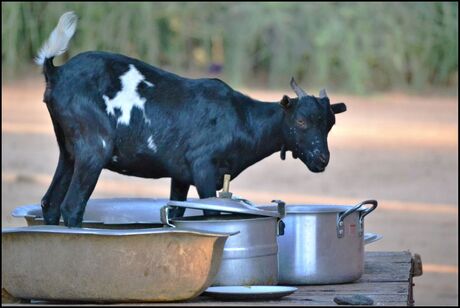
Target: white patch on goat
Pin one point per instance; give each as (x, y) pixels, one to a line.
(127, 97)
(151, 144)
(148, 83)
(103, 142)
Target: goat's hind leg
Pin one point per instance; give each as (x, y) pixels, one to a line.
(53, 197)
(89, 133)
(55, 194)
(89, 162)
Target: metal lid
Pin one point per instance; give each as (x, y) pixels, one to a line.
(325, 208)
(227, 202)
(231, 205)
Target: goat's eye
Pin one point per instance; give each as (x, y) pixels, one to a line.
(301, 123)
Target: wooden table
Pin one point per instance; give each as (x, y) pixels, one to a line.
(387, 280)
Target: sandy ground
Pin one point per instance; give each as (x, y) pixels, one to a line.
(401, 150)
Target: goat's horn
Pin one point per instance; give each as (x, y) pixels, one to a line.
(300, 93)
(322, 93)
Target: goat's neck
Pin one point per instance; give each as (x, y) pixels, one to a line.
(265, 120)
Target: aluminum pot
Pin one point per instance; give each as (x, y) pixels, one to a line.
(250, 257)
(323, 244)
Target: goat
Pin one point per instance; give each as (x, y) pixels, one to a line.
(119, 113)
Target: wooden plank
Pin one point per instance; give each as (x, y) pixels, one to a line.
(391, 256)
(386, 273)
(352, 288)
(387, 267)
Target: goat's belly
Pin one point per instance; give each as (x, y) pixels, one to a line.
(146, 166)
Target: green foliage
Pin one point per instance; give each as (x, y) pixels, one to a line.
(352, 46)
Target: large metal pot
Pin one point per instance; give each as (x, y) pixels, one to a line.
(322, 244)
(250, 257)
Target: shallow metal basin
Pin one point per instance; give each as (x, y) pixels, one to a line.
(80, 264)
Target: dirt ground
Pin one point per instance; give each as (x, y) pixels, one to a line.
(400, 150)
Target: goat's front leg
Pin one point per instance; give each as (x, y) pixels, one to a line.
(204, 177)
(57, 190)
(179, 191)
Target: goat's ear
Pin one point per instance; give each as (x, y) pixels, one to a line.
(286, 102)
(338, 108)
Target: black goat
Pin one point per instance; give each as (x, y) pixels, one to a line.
(111, 111)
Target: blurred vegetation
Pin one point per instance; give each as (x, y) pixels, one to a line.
(350, 46)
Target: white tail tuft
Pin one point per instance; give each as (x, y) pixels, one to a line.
(59, 39)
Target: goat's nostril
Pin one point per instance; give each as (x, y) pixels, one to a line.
(323, 158)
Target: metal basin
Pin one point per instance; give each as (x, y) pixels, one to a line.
(79, 264)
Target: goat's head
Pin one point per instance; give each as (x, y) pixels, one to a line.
(307, 122)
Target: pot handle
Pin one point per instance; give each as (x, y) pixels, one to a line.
(341, 217)
(371, 237)
(281, 207)
(164, 213)
(366, 212)
(280, 227)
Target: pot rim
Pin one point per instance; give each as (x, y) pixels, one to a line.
(228, 205)
(110, 232)
(315, 208)
(195, 219)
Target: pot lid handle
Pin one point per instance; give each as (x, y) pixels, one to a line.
(225, 193)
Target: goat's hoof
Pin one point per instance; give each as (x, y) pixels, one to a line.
(51, 219)
(44, 203)
(73, 222)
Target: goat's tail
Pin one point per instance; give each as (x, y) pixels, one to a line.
(58, 41)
